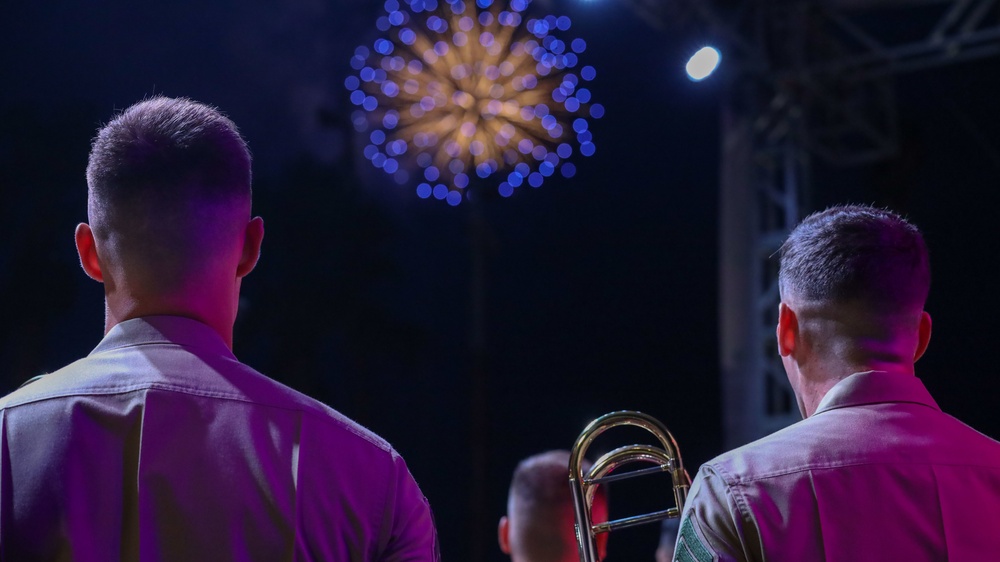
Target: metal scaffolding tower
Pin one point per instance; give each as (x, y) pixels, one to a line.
(813, 79)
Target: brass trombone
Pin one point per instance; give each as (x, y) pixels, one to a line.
(666, 459)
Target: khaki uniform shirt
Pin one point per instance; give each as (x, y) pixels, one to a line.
(877, 473)
(160, 445)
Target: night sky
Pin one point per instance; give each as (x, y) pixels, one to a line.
(600, 291)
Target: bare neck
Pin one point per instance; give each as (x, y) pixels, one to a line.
(818, 378)
(213, 306)
(834, 342)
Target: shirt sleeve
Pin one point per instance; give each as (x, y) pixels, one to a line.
(412, 535)
(715, 527)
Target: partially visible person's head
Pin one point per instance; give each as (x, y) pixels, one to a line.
(169, 189)
(539, 525)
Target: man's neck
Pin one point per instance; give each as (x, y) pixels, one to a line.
(119, 308)
(815, 385)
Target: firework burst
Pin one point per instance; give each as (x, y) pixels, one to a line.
(454, 92)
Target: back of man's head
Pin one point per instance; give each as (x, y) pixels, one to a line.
(857, 279)
(169, 184)
(856, 254)
(540, 515)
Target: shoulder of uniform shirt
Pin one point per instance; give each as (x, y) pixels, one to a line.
(25, 392)
(319, 412)
(31, 380)
(266, 392)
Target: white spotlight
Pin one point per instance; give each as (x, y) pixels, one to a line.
(703, 63)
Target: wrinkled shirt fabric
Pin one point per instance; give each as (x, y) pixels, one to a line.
(161, 445)
(879, 472)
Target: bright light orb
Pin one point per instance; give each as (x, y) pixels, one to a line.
(475, 89)
(703, 63)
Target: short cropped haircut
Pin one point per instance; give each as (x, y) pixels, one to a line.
(168, 180)
(165, 150)
(541, 492)
(855, 253)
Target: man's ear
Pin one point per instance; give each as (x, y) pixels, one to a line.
(503, 534)
(253, 235)
(86, 247)
(923, 335)
(788, 330)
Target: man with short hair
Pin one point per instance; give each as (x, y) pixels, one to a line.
(160, 444)
(875, 470)
(539, 525)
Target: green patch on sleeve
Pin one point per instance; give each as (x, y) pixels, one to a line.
(689, 545)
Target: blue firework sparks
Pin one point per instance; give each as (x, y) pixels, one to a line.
(453, 92)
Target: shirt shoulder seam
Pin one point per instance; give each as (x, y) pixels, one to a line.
(321, 412)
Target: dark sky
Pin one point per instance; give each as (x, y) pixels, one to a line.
(600, 291)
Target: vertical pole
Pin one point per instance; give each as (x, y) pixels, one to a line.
(737, 240)
(763, 174)
(479, 403)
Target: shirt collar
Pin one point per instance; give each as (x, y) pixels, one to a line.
(164, 329)
(875, 387)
